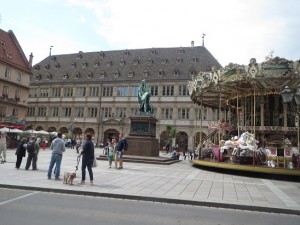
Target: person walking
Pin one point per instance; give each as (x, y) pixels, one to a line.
(21, 152)
(32, 150)
(3, 146)
(58, 147)
(88, 154)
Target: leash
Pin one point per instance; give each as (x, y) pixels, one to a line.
(78, 160)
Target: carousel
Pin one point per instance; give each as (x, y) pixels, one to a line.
(260, 103)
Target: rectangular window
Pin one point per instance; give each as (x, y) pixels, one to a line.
(134, 90)
(68, 92)
(18, 94)
(19, 76)
(92, 112)
(7, 72)
(41, 111)
(107, 91)
(135, 111)
(5, 92)
(94, 91)
(79, 111)
(67, 112)
(31, 111)
(122, 91)
(80, 91)
(166, 113)
(154, 90)
(168, 90)
(183, 90)
(44, 92)
(15, 112)
(183, 114)
(121, 112)
(54, 111)
(32, 93)
(2, 111)
(56, 92)
(106, 112)
(215, 115)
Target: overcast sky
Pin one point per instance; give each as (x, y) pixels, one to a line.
(235, 30)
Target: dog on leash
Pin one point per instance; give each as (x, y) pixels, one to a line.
(69, 177)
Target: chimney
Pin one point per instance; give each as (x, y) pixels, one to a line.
(192, 44)
(30, 60)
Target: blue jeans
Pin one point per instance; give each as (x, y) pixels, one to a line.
(89, 166)
(55, 159)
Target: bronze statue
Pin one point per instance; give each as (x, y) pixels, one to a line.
(144, 94)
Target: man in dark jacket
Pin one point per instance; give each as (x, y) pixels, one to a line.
(21, 152)
(87, 158)
(32, 156)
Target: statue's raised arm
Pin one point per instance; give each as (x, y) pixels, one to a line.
(144, 94)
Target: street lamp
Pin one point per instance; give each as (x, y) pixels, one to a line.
(287, 97)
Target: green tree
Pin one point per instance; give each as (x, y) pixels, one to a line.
(171, 134)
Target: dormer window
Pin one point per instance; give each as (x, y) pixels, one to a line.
(90, 75)
(77, 75)
(116, 74)
(153, 51)
(84, 65)
(2, 42)
(176, 72)
(108, 63)
(57, 66)
(79, 55)
(49, 76)
(160, 73)
(101, 55)
(150, 61)
(180, 51)
(38, 77)
(146, 73)
(122, 62)
(179, 60)
(102, 74)
(164, 61)
(194, 60)
(126, 52)
(136, 61)
(96, 64)
(53, 58)
(131, 74)
(73, 65)
(65, 76)
(47, 67)
(36, 67)
(192, 72)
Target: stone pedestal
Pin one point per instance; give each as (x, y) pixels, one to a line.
(142, 139)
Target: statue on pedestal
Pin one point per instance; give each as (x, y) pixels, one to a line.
(144, 94)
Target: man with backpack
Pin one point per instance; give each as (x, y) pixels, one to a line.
(121, 147)
(33, 150)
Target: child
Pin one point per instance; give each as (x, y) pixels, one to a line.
(110, 153)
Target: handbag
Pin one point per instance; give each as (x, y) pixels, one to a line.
(95, 162)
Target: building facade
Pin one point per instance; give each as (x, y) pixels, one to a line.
(97, 91)
(15, 76)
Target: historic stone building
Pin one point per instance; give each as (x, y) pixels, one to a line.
(15, 76)
(97, 91)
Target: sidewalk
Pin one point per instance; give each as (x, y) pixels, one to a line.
(178, 183)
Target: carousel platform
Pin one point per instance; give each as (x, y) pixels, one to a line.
(276, 172)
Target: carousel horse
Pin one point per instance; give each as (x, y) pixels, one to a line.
(233, 143)
(247, 143)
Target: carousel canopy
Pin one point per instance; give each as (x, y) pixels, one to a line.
(219, 87)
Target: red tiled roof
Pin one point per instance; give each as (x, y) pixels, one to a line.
(11, 51)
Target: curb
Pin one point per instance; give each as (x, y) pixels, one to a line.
(160, 200)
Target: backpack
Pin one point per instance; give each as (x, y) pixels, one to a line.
(30, 147)
(125, 144)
